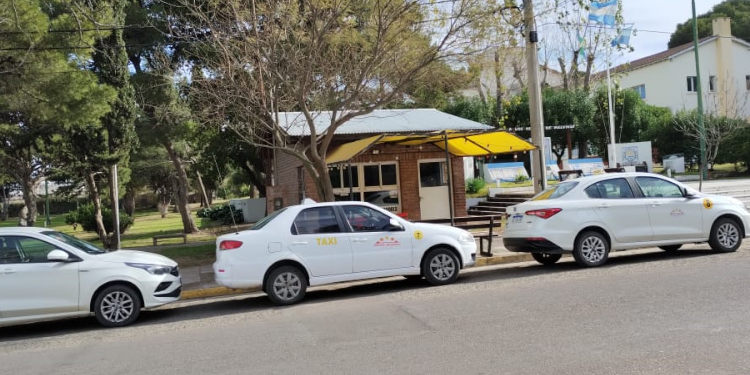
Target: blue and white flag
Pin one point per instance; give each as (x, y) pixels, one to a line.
(581, 45)
(623, 38)
(603, 12)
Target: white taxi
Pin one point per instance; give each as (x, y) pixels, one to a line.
(592, 215)
(321, 243)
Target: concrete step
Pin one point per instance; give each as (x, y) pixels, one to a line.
(486, 210)
(496, 204)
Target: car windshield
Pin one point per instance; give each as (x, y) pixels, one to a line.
(72, 241)
(556, 191)
(262, 222)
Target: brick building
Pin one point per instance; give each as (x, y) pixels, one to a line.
(407, 179)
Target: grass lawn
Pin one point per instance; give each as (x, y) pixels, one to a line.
(190, 255)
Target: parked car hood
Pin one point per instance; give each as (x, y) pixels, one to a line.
(131, 256)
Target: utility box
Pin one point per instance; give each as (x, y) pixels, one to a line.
(253, 209)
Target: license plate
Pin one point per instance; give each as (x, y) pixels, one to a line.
(516, 218)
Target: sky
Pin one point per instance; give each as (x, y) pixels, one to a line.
(657, 15)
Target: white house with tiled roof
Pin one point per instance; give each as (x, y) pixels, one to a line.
(667, 79)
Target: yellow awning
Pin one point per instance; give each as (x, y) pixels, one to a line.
(349, 150)
(467, 144)
(459, 144)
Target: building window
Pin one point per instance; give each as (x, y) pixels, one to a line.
(641, 90)
(380, 184)
(747, 83)
(692, 84)
(712, 83)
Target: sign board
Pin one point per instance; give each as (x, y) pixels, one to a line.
(504, 172)
(589, 166)
(632, 154)
(675, 162)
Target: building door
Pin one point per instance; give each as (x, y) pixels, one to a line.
(433, 189)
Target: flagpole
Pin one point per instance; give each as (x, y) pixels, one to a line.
(613, 152)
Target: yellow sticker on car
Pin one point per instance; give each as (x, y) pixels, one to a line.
(418, 234)
(707, 204)
(327, 241)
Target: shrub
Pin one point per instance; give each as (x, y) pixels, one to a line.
(474, 185)
(221, 213)
(85, 217)
(521, 178)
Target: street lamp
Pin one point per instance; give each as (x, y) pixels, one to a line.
(701, 126)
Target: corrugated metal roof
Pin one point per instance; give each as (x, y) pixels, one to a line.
(381, 121)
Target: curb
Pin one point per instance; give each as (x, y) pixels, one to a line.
(223, 291)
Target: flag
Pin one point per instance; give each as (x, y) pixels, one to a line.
(603, 12)
(581, 45)
(623, 38)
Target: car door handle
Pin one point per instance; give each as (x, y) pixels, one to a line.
(656, 204)
(603, 205)
(8, 271)
(299, 242)
(359, 239)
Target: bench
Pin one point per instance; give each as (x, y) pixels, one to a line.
(565, 174)
(172, 235)
(488, 224)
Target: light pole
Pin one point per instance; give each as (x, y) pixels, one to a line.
(701, 126)
(536, 117)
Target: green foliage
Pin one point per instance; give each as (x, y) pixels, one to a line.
(521, 178)
(737, 10)
(222, 213)
(474, 185)
(471, 108)
(85, 216)
(736, 148)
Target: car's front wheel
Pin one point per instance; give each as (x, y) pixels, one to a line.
(117, 306)
(671, 248)
(286, 285)
(546, 259)
(726, 235)
(440, 267)
(591, 249)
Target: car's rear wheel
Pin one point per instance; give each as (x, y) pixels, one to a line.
(286, 285)
(440, 267)
(591, 249)
(546, 259)
(117, 306)
(726, 235)
(671, 248)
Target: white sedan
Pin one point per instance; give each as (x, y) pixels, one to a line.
(322, 243)
(47, 275)
(592, 215)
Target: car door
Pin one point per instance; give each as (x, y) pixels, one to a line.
(374, 246)
(625, 215)
(673, 216)
(32, 286)
(318, 240)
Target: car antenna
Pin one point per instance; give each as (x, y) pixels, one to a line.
(221, 180)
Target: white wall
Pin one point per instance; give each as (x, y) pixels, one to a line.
(666, 81)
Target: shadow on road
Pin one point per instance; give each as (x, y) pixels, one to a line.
(258, 302)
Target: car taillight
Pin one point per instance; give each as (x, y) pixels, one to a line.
(229, 245)
(545, 213)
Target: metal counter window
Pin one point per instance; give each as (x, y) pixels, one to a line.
(379, 184)
(712, 83)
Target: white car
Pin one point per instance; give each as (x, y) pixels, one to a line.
(47, 275)
(592, 215)
(321, 243)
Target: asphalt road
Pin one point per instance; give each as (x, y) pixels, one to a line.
(643, 313)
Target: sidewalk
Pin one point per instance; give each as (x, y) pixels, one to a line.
(198, 282)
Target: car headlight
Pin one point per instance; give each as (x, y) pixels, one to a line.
(153, 269)
(466, 237)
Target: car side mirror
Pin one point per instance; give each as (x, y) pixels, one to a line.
(395, 226)
(58, 256)
(687, 194)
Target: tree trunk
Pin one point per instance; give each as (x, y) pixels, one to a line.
(563, 70)
(319, 173)
(128, 202)
(29, 198)
(181, 191)
(498, 113)
(587, 78)
(97, 201)
(204, 196)
(574, 69)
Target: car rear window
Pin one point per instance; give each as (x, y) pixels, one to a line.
(262, 222)
(556, 191)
